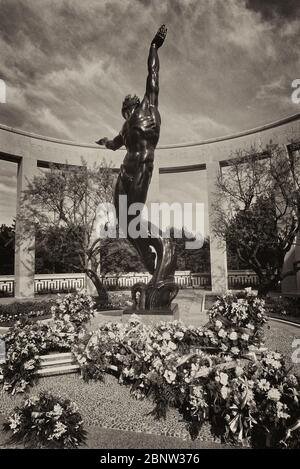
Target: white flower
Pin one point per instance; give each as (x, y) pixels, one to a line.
(179, 335)
(281, 408)
(224, 392)
(170, 376)
(222, 333)
(234, 350)
(57, 410)
(274, 394)
(59, 430)
(222, 378)
(172, 345)
(233, 335)
(218, 324)
(245, 337)
(166, 336)
(14, 422)
(263, 384)
(239, 371)
(29, 365)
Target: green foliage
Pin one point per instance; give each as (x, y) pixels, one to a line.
(19, 311)
(61, 206)
(195, 260)
(7, 249)
(77, 308)
(283, 306)
(119, 256)
(256, 210)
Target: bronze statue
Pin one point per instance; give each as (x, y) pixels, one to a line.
(140, 135)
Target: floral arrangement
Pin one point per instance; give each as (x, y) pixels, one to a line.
(26, 341)
(24, 344)
(46, 421)
(208, 372)
(75, 308)
(247, 401)
(133, 347)
(238, 321)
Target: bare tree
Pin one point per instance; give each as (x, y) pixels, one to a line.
(256, 209)
(68, 197)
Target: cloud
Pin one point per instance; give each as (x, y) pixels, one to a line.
(71, 63)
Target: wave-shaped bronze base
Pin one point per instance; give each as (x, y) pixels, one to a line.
(152, 297)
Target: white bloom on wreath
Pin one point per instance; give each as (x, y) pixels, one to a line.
(57, 410)
(222, 333)
(218, 324)
(14, 422)
(224, 392)
(59, 430)
(172, 345)
(170, 376)
(245, 337)
(166, 336)
(157, 364)
(224, 378)
(250, 292)
(263, 384)
(274, 394)
(282, 410)
(233, 335)
(235, 350)
(29, 365)
(239, 371)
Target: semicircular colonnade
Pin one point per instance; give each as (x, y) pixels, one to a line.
(31, 151)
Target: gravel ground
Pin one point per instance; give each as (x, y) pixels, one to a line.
(108, 405)
(280, 337)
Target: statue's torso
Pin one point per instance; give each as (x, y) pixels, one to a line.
(141, 134)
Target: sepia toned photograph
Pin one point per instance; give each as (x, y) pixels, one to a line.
(149, 229)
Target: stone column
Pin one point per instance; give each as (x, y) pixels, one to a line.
(25, 242)
(218, 257)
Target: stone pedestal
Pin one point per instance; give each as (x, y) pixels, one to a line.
(153, 315)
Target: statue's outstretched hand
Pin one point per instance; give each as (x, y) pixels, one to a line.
(102, 141)
(160, 36)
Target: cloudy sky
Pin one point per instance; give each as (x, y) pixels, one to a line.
(225, 66)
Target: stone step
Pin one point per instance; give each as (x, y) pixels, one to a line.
(58, 362)
(58, 370)
(56, 356)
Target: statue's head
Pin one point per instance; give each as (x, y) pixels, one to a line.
(129, 105)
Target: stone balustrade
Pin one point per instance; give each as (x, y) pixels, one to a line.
(59, 283)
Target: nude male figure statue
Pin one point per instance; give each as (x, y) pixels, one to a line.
(140, 135)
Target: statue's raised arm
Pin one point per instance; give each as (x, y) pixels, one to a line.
(152, 85)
